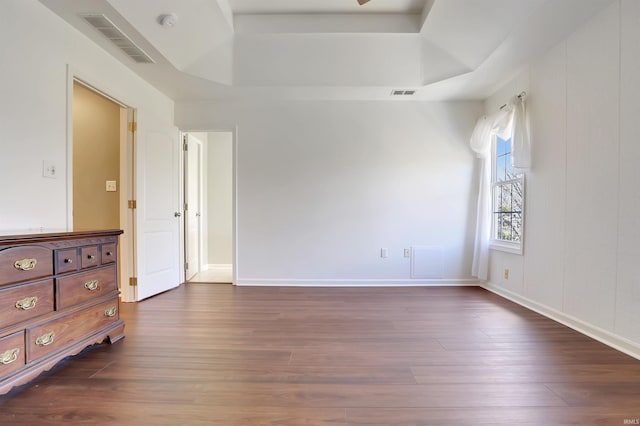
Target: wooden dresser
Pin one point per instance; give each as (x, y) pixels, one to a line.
(58, 295)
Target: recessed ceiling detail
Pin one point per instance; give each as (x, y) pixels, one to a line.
(326, 6)
(327, 49)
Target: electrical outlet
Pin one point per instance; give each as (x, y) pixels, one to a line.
(48, 169)
(407, 252)
(384, 253)
(111, 186)
(506, 273)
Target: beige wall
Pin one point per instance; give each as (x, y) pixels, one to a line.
(96, 159)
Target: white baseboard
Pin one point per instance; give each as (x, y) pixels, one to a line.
(610, 339)
(222, 267)
(356, 282)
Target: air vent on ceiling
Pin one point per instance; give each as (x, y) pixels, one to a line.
(117, 37)
(403, 92)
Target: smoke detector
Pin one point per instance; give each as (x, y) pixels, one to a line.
(168, 20)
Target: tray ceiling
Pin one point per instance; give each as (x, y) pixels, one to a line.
(332, 49)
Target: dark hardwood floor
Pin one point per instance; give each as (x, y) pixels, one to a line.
(208, 354)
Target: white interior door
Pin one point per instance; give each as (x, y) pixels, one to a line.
(158, 211)
(193, 205)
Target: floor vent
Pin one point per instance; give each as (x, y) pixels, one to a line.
(109, 30)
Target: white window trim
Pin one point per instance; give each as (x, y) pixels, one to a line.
(513, 248)
(502, 245)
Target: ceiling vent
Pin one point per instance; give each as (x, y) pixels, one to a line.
(117, 37)
(403, 92)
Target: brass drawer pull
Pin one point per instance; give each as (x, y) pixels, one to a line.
(109, 253)
(91, 285)
(9, 356)
(46, 339)
(68, 261)
(25, 264)
(27, 303)
(110, 312)
(91, 257)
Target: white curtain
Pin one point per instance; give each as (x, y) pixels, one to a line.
(508, 122)
(520, 137)
(480, 265)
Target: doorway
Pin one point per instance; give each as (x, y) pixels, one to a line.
(193, 194)
(96, 160)
(149, 194)
(100, 176)
(209, 206)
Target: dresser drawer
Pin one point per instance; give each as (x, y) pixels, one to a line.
(84, 286)
(11, 353)
(109, 254)
(89, 257)
(66, 260)
(49, 337)
(28, 301)
(25, 263)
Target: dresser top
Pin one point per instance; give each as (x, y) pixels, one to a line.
(56, 236)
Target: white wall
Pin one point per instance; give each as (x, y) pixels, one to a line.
(219, 197)
(301, 60)
(582, 224)
(323, 186)
(36, 46)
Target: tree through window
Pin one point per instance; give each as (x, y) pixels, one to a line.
(508, 196)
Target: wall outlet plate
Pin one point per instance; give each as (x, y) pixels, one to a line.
(111, 186)
(49, 169)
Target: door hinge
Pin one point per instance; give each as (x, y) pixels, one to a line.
(133, 126)
(186, 266)
(186, 206)
(132, 204)
(133, 281)
(185, 147)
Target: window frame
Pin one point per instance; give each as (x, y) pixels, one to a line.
(495, 243)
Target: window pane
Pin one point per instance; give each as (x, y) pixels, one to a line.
(517, 196)
(504, 169)
(508, 167)
(516, 226)
(503, 146)
(507, 211)
(497, 199)
(498, 226)
(500, 168)
(507, 198)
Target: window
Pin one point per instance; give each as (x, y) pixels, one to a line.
(507, 189)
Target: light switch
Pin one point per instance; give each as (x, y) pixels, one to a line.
(111, 186)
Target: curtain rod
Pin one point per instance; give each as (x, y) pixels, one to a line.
(520, 96)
